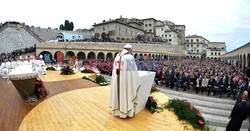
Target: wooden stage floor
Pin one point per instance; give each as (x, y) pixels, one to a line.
(87, 109)
(13, 108)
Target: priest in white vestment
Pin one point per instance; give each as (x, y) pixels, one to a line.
(125, 84)
(25, 62)
(14, 64)
(3, 65)
(4, 69)
(20, 61)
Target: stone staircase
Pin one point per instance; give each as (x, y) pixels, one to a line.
(33, 34)
(216, 111)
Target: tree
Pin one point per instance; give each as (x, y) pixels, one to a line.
(67, 25)
(71, 26)
(61, 27)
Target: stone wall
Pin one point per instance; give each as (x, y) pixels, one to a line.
(51, 34)
(120, 31)
(12, 38)
(106, 46)
(241, 54)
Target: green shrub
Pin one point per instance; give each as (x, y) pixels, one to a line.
(185, 111)
(99, 80)
(67, 71)
(87, 71)
(51, 68)
(154, 89)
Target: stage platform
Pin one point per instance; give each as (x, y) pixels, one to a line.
(87, 109)
(74, 103)
(13, 108)
(55, 76)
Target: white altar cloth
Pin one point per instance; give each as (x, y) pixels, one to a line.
(23, 72)
(147, 79)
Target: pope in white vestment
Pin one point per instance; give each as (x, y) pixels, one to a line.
(125, 84)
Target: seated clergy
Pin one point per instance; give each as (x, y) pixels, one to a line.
(20, 61)
(25, 62)
(41, 66)
(8, 65)
(4, 69)
(3, 65)
(14, 64)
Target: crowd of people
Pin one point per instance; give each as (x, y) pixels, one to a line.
(206, 76)
(35, 62)
(216, 78)
(212, 77)
(15, 53)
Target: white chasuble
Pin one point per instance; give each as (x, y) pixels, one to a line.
(124, 85)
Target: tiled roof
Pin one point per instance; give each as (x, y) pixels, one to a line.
(117, 21)
(196, 36)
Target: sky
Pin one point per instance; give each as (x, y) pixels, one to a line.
(216, 20)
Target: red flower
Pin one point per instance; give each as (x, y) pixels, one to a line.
(153, 87)
(190, 106)
(201, 122)
(197, 111)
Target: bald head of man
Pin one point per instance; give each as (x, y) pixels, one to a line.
(245, 95)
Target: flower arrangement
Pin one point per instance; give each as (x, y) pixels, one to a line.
(66, 70)
(154, 89)
(99, 80)
(51, 68)
(185, 111)
(40, 91)
(152, 105)
(87, 71)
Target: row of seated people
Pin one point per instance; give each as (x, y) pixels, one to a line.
(16, 53)
(8, 65)
(213, 77)
(212, 85)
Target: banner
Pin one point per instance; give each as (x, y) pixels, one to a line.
(73, 58)
(47, 58)
(59, 57)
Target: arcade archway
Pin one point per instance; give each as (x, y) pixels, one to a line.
(100, 56)
(81, 56)
(109, 56)
(91, 55)
(47, 56)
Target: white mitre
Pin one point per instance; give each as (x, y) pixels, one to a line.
(127, 46)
